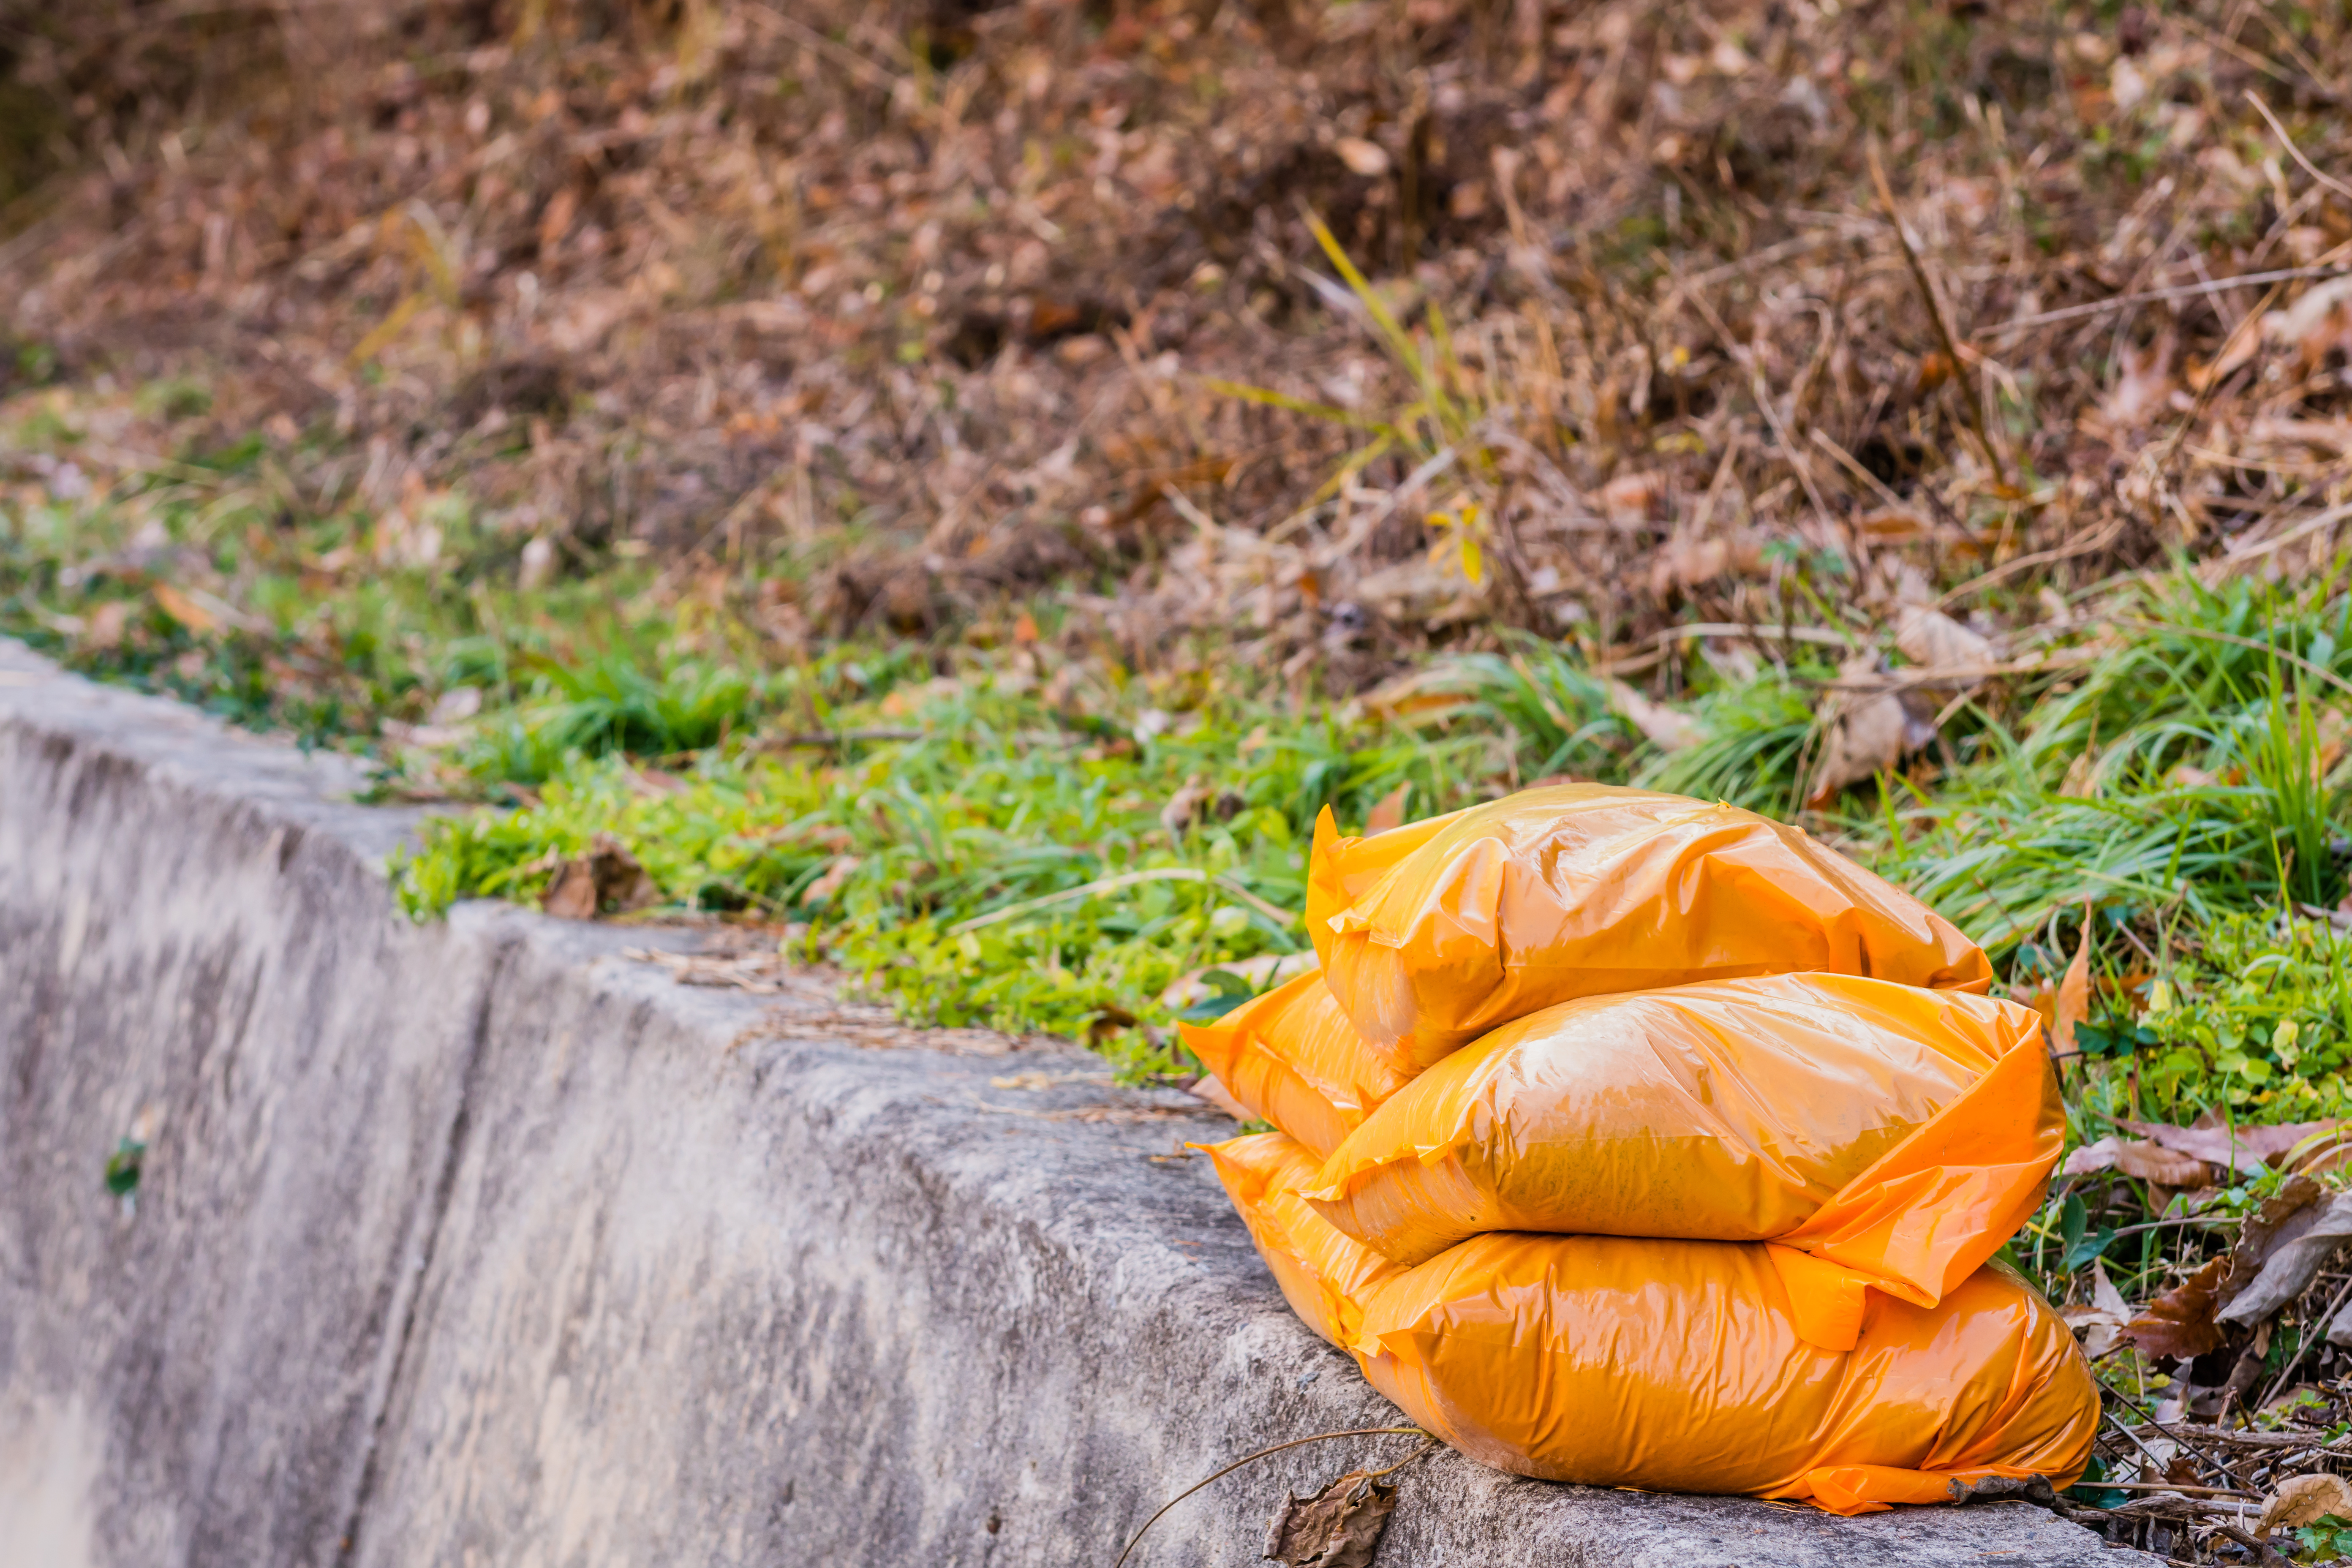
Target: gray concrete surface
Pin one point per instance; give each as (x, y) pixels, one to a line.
(479, 1243)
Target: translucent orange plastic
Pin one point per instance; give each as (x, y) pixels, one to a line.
(1292, 1056)
(1678, 1365)
(1324, 1274)
(1897, 1135)
(1432, 934)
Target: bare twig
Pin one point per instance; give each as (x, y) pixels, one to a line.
(1968, 408)
(1276, 1449)
(2096, 540)
(2304, 1348)
(2154, 296)
(829, 738)
(2333, 184)
(1127, 879)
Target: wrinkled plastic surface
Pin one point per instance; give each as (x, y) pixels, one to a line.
(1325, 1275)
(1292, 1058)
(1434, 934)
(1898, 1134)
(1678, 1365)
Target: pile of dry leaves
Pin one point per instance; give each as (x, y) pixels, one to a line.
(1737, 313)
(2233, 1402)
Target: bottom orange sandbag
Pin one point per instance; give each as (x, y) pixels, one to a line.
(1676, 1366)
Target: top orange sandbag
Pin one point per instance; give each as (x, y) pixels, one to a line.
(1434, 933)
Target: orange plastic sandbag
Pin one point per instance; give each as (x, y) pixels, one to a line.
(1678, 1366)
(1899, 1134)
(1324, 1274)
(1292, 1058)
(1432, 934)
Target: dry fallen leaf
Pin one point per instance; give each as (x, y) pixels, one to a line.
(1930, 638)
(829, 882)
(2092, 1158)
(1186, 804)
(2082, 779)
(2304, 1499)
(106, 624)
(2179, 1324)
(2143, 386)
(1865, 741)
(2292, 1256)
(607, 876)
(185, 610)
(1365, 158)
(2074, 1004)
(1338, 1527)
(2104, 1294)
(2248, 1149)
(1631, 500)
(2105, 1320)
(1666, 730)
(1390, 810)
(2149, 1161)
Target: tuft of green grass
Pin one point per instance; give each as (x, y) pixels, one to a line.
(610, 704)
(1016, 866)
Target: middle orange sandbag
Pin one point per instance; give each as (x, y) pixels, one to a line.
(1896, 1135)
(1434, 933)
(1677, 1365)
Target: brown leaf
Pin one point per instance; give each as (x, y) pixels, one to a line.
(829, 882)
(2282, 1250)
(2149, 1161)
(1865, 741)
(2304, 1499)
(2102, 1322)
(2092, 1158)
(607, 877)
(107, 624)
(185, 610)
(1631, 500)
(1389, 811)
(1338, 1527)
(556, 221)
(2104, 1294)
(1365, 158)
(1666, 730)
(2179, 1324)
(1928, 637)
(2143, 386)
(2248, 1149)
(2074, 994)
(1186, 805)
(2271, 1227)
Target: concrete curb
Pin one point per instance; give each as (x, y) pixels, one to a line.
(477, 1244)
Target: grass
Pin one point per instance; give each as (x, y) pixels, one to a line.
(1012, 865)
(993, 829)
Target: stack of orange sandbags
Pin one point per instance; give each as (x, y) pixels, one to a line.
(1632, 1140)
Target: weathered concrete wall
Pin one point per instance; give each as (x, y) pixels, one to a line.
(479, 1243)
